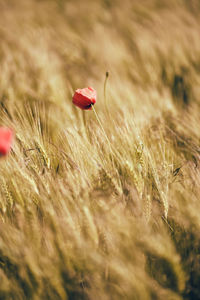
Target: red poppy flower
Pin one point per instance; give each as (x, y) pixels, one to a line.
(85, 98)
(6, 137)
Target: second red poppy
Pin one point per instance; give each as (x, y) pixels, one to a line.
(6, 137)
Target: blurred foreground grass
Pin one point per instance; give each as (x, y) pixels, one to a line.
(79, 220)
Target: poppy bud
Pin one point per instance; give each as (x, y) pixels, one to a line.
(6, 137)
(85, 98)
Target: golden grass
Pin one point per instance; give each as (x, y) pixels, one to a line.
(81, 218)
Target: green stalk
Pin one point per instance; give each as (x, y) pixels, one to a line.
(104, 93)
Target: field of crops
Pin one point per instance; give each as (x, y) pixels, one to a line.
(100, 204)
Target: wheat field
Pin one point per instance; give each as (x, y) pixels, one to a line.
(90, 212)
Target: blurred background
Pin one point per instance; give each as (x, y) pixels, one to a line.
(49, 48)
